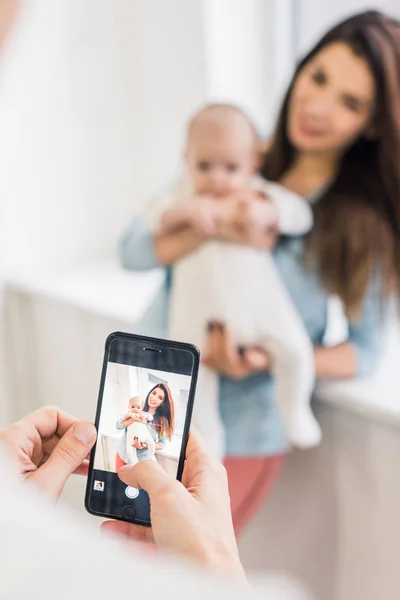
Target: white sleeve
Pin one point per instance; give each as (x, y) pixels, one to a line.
(295, 215)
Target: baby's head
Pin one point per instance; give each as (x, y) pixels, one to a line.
(135, 404)
(222, 150)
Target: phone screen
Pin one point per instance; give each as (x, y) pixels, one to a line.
(144, 410)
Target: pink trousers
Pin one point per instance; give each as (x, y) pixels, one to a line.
(250, 481)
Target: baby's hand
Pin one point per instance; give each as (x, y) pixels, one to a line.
(256, 213)
(204, 215)
(199, 214)
(249, 218)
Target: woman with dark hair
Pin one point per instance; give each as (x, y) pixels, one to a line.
(160, 405)
(337, 143)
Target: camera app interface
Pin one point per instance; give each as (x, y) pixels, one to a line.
(142, 417)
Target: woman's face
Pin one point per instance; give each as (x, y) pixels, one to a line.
(332, 101)
(156, 398)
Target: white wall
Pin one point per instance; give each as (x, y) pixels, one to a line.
(314, 17)
(94, 97)
(168, 82)
(117, 391)
(249, 54)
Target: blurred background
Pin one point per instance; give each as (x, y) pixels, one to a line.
(94, 97)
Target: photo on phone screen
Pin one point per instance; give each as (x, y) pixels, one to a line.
(144, 411)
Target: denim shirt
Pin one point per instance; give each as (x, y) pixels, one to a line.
(252, 423)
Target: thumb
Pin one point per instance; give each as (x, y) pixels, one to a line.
(67, 456)
(149, 476)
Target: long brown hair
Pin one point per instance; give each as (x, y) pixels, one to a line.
(357, 219)
(164, 417)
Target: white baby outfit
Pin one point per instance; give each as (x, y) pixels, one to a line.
(140, 431)
(241, 287)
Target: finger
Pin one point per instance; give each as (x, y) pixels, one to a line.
(212, 353)
(50, 420)
(229, 349)
(66, 457)
(196, 442)
(203, 475)
(197, 456)
(149, 476)
(256, 359)
(208, 225)
(222, 354)
(81, 470)
(50, 443)
(217, 338)
(216, 347)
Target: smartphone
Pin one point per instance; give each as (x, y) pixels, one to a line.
(143, 413)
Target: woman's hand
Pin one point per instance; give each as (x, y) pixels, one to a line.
(191, 519)
(127, 420)
(222, 355)
(139, 445)
(47, 446)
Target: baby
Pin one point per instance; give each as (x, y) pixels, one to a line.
(138, 430)
(234, 283)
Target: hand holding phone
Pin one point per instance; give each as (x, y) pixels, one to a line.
(191, 518)
(141, 376)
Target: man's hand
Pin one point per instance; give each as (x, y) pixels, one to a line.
(47, 446)
(191, 519)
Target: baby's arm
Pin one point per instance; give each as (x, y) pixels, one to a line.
(248, 217)
(147, 417)
(200, 214)
(175, 218)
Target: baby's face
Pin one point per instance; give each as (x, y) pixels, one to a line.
(220, 162)
(134, 406)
